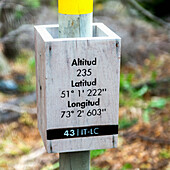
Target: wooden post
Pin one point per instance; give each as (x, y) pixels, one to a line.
(77, 87)
(75, 20)
(75, 161)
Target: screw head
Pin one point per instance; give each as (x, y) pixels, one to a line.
(117, 44)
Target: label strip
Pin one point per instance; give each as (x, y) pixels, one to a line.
(75, 7)
(80, 132)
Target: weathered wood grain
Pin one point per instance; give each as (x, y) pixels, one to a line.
(75, 25)
(54, 57)
(72, 26)
(75, 160)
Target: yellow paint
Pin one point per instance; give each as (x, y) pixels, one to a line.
(75, 7)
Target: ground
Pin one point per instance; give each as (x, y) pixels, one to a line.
(144, 122)
(143, 142)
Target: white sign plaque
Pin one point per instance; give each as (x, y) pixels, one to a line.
(77, 89)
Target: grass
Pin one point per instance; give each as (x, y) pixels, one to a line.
(3, 163)
(132, 97)
(11, 149)
(165, 153)
(155, 103)
(127, 166)
(95, 153)
(129, 97)
(27, 120)
(55, 166)
(34, 4)
(125, 122)
(25, 64)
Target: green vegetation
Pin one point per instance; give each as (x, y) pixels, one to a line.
(130, 96)
(32, 3)
(26, 7)
(3, 162)
(18, 14)
(95, 153)
(27, 60)
(140, 106)
(55, 166)
(53, 3)
(165, 153)
(127, 166)
(155, 103)
(27, 120)
(126, 122)
(126, 86)
(8, 147)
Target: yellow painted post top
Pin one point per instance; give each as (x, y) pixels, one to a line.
(75, 7)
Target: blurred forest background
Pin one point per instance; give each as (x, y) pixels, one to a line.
(144, 121)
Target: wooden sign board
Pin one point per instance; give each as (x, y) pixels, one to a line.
(77, 89)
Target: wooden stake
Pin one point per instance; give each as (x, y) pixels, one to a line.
(75, 25)
(75, 20)
(75, 161)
